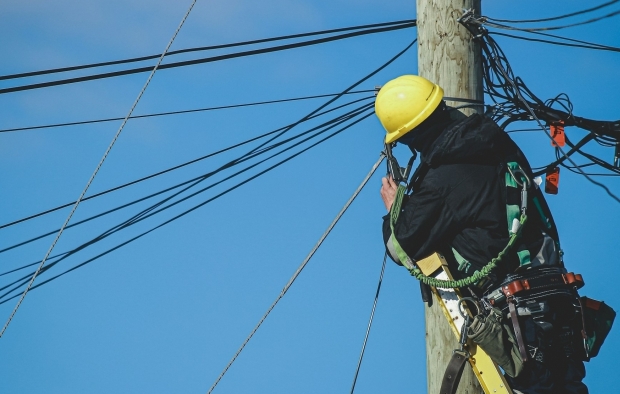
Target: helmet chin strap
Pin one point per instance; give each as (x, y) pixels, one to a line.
(399, 174)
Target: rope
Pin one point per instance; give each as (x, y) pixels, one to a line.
(92, 177)
(372, 315)
(299, 269)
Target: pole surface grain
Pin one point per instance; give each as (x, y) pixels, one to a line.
(448, 56)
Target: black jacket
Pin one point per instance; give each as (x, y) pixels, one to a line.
(459, 202)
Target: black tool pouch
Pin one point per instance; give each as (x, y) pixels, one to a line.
(598, 318)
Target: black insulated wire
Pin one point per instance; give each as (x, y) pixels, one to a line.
(206, 60)
(173, 168)
(179, 215)
(195, 181)
(180, 112)
(398, 55)
(533, 29)
(554, 18)
(585, 45)
(512, 96)
(200, 49)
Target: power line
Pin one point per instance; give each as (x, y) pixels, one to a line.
(195, 181)
(97, 169)
(594, 46)
(186, 111)
(254, 150)
(142, 215)
(556, 17)
(199, 49)
(497, 74)
(179, 215)
(177, 167)
(298, 271)
(206, 60)
(532, 29)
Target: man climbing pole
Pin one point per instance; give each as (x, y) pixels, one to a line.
(474, 200)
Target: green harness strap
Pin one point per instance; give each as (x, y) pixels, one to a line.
(439, 283)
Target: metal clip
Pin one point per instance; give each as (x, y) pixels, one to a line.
(399, 174)
(524, 183)
(467, 322)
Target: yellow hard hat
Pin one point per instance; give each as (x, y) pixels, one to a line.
(405, 102)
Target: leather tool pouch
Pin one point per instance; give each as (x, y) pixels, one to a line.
(495, 337)
(598, 318)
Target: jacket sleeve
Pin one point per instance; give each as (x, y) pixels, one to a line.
(424, 221)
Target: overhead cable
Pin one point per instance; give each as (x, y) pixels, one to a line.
(186, 111)
(598, 7)
(500, 83)
(144, 214)
(286, 130)
(298, 271)
(195, 181)
(594, 46)
(204, 48)
(154, 69)
(174, 168)
(141, 216)
(186, 211)
(207, 59)
(532, 29)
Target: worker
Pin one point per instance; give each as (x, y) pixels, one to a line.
(465, 204)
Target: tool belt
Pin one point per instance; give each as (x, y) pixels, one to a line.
(498, 331)
(541, 283)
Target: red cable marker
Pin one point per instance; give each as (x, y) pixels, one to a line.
(557, 132)
(552, 180)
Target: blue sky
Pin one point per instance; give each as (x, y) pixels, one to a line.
(167, 312)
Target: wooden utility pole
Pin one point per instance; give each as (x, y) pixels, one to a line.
(448, 56)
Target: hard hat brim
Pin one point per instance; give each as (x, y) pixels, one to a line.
(433, 102)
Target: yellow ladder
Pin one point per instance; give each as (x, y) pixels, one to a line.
(488, 373)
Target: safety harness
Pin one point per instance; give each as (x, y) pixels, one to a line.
(514, 177)
(516, 219)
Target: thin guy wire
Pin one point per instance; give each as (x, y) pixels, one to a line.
(92, 177)
(372, 315)
(300, 268)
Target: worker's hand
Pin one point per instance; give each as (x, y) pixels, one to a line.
(388, 191)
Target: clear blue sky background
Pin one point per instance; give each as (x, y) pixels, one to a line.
(166, 313)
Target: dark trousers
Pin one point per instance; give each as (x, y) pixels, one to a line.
(555, 352)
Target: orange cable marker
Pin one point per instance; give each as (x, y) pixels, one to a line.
(552, 180)
(557, 132)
